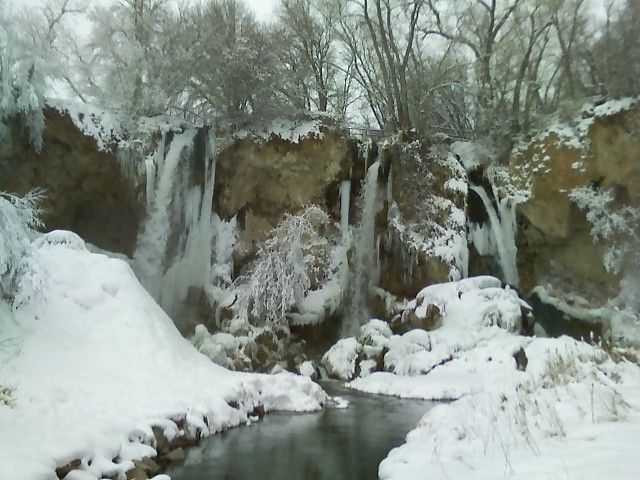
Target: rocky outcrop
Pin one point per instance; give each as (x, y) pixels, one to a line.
(86, 189)
(260, 179)
(555, 245)
(425, 240)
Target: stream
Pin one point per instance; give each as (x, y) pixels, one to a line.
(333, 444)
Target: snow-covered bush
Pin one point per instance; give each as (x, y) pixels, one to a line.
(18, 215)
(281, 275)
(619, 228)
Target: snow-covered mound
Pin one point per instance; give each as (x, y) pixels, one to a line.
(93, 363)
(461, 314)
(469, 305)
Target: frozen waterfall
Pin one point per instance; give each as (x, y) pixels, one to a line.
(499, 239)
(171, 260)
(365, 255)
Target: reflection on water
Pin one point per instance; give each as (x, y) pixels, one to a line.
(334, 444)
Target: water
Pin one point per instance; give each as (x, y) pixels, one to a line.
(501, 236)
(171, 199)
(365, 254)
(345, 193)
(334, 444)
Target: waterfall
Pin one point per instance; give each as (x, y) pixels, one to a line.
(169, 262)
(365, 254)
(500, 238)
(345, 193)
(152, 244)
(192, 265)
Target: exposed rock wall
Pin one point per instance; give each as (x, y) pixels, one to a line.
(260, 180)
(555, 245)
(86, 189)
(424, 240)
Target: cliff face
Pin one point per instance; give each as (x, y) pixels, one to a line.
(260, 180)
(555, 244)
(86, 189)
(424, 239)
(420, 219)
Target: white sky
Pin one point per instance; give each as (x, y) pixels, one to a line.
(264, 9)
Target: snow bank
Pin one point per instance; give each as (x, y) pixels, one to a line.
(574, 413)
(521, 407)
(96, 363)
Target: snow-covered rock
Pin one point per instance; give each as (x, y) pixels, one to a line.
(96, 364)
(308, 369)
(340, 360)
(471, 303)
(374, 338)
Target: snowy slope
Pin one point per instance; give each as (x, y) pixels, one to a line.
(99, 363)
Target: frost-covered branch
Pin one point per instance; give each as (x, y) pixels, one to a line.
(281, 275)
(618, 227)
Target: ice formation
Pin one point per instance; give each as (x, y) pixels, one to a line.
(169, 266)
(365, 254)
(500, 240)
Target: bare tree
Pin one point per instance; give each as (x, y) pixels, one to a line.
(309, 30)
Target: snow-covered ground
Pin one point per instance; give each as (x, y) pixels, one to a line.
(92, 363)
(520, 407)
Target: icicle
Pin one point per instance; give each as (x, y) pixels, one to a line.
(192, 265)
(152, 244)
(345, 193)
(501, 236)
(365, 253)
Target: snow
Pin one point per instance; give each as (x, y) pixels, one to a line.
(520, 407)
(292, 131)
(323, 302)
(103, 126)
(573, 134)
(573, 411)
(95, 363)
(307, 369)
(340, 360)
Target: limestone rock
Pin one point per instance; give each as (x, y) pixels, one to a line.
(425, 239)
(87, 190)
(260, 180)
(555, 245)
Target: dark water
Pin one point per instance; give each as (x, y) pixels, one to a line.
(333, 444)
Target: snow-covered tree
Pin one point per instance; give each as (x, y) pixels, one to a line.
(281, 275)
(31, 61)
(18, 216)
(22, 84)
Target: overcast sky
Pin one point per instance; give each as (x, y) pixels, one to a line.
(264, 9)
